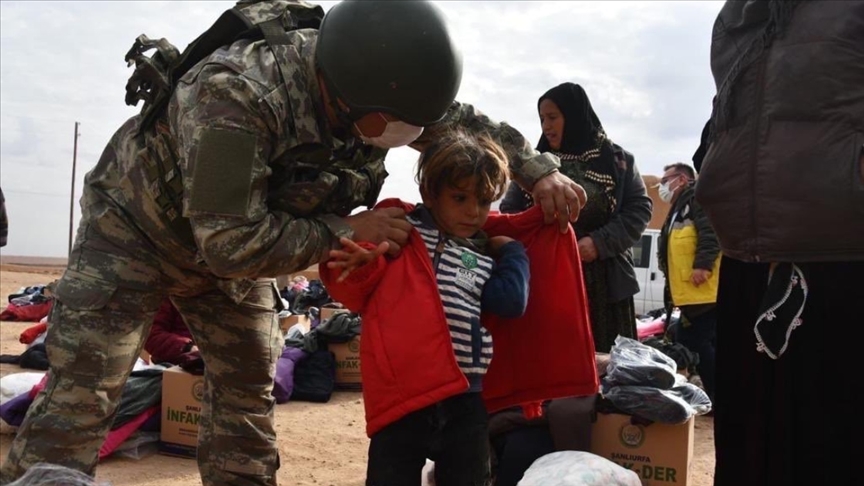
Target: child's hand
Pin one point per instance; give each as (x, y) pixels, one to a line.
(496, 242)
(353, 256)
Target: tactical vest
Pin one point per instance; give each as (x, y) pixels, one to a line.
(354, 177)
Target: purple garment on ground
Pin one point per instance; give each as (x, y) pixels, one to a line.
(283, 383)
(13, 411)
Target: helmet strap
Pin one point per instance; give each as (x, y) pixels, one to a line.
(331, 99)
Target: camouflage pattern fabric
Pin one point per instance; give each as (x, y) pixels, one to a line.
(526, 164)
(177, 211)
(97, 331)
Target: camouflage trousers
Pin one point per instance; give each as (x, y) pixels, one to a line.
(96, 332)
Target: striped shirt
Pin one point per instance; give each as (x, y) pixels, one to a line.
(460, 273)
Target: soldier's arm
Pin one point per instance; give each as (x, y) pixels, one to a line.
(224, 143)
(528, 165)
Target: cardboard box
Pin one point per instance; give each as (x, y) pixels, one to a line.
(286, 322)
(660, 454)
(328, 312)
(181, 411)
(347, 364)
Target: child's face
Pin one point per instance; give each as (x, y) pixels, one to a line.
(457, 210)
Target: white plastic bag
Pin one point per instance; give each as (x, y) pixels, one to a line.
(18, 384)
(42, 474)
(577, 468)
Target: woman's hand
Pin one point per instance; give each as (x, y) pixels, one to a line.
(353, 256)
(587, 249)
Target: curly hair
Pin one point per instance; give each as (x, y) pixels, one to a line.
(456, 157)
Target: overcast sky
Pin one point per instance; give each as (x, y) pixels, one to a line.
(644, 65)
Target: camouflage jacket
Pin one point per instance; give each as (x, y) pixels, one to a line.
(264, 183)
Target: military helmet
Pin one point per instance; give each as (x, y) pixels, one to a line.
(394, 57)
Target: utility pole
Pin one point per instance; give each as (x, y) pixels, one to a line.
(72, 194)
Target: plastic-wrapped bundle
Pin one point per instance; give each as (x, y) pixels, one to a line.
(633, 363)
(42, 474)
(674, 406)
(577, 468)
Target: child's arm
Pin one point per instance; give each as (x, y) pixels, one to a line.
(352, 273)
(506, 292)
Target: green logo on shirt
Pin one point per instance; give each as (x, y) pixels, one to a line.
(469, 260)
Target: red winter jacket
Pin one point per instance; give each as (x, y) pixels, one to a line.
(408, 364)
(549, 351)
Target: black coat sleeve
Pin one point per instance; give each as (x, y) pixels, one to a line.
(707, 245)
(630, 219)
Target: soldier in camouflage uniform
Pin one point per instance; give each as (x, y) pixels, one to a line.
(251, 172)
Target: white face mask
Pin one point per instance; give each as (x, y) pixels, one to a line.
(395, 134)
(666, 192)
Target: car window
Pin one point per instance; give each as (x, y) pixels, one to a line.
(642, 252)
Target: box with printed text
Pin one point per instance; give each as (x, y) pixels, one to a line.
(182, 393)
(660, 454)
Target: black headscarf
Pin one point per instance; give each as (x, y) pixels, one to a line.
(581, 124)
(583, 139)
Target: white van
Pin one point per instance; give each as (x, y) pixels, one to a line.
(651, 279)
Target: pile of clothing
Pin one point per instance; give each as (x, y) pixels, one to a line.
(307, 369)
(137, 414)
(303, 295)
(642, 381)
(28, 304)
(35, 357)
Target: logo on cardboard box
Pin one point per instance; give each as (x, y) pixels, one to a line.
(632, 435)
(354, 346)
(198, 390)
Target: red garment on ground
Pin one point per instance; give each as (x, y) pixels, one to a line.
(549, 351)
(31, 333)
(168, 336)
(119, 435)
(32, 312)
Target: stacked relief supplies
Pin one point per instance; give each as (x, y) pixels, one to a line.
(642, 381)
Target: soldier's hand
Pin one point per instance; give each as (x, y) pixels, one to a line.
(380, 225)
(560, 198)
(353, 256)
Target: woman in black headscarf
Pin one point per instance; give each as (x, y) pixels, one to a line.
(613, 219)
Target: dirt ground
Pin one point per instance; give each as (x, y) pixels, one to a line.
(319, 444)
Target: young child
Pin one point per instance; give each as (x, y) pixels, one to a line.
(424, 350)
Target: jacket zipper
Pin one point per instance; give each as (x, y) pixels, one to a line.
(439, 250)
(757, 138)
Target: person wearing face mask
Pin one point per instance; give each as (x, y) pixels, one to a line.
(252, 151)
(616, 213)
(689, 257)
